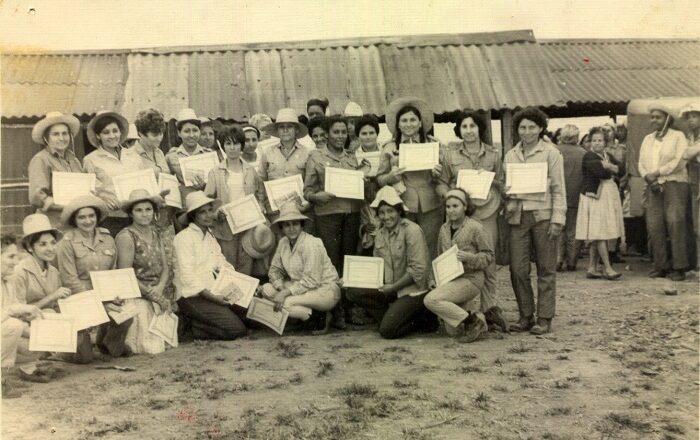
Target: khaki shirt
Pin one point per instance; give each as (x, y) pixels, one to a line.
(469, 237)
(404, 251)
(306, 265)
(41, 167)
(173, 160)
(78, 255)
(315, 180)
(32, 284)
(105, 165)
(136, 158)
(273, 164)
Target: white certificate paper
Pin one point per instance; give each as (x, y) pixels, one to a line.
(165, 327)
(346, 184)
(125, 183)
(199, 165)
(446, 267)
(416, 157)
(236, 287)
(168, 181)
(67, 186)
(477, 183)
(373, 157)
(262, 311)
(86, 308)
(54, 332)
(526, 178)
(363, 272)
(110, 284)
(243, 214)
(280, 191)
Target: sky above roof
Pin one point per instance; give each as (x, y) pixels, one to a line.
(106, 24)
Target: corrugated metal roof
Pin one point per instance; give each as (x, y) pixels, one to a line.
(618, 70)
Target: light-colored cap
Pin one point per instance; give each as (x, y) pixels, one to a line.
(289, 212)
(692, 107)
(194, 201)
(35, 224)
(289, 116)
(258, 242)
(388, 195)
(352, 109)
(81, 202)
(53, 118)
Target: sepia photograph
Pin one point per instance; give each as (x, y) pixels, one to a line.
(350, 219)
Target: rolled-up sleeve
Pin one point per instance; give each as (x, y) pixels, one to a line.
(312, 181)
(39, 179)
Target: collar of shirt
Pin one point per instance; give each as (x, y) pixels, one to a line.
(336, 157)
(415, 139)
(463, 149)
(67, 155)
(193, 226)
(395, 232)
(198, 150)
(32, 266)
(223, 164)
(300, 239)
(521, 152)
(80, 237)
(107, 155)
(294, 148)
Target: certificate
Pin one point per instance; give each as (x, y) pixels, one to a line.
(243, 214)
(373, 157)
(197, 165)
(526, 178)
(125, 183)
(363, 272)
(446, 267)
(86, 308)
(236, 287)
(165, 327)
(262, 310)
(346, 184)
(55, 332)
(110, 284)
(67, 186)
(416, 157)
(477, 183)
(280, 191)
(168, 181)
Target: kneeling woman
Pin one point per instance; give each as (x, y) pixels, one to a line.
(302, 277)
(398, 304)
(197, 258)
(476, 254)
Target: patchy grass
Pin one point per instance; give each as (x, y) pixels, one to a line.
(324, 367)
(519, 348)
(450, 403)
(289, 349)
(466, 369)
(562, 357)
(558, 411)
(345, 346)
(108, 429)
(482, 401)
(157, 404)
(398, 349)
(615, 422)
(356, 389)
(398, 383)
(521, 373)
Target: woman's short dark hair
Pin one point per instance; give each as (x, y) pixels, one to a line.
(248, 127)
(478, 120)
(398, 207)
(331, 121)
(30, 240)
(601, 131)
(232, 133)
(323, 103)
(71, 219)
(531, 114)
(316, 122)
(583, 140)
(370, 120)
(471, 207)
(403, 111)
(150, 121)
(105, 121)
(129, 213)
(197, 123)
(7, 240)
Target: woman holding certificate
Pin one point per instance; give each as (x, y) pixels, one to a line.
(107, 131)
(188, 128)
(232, 180)
(409, 120)
(472, 153)
(475, 253)
(87, 247)
(367, 130)
(139, 246)
(398, 304)
(56, 132)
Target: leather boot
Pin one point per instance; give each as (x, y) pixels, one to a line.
(523, 324)
(543, 326)
(494, 316)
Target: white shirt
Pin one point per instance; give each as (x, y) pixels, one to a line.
(197, 256)
(235, 185)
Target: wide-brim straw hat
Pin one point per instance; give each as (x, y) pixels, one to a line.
(121, 121)
(352, 110)
(81, 202)
(141, 195)
(53, 118)
(36, 224)
(193, 202)
(290, 212)
(692, 107)
(426, 113)
(187, 115)
(389, 196)
(661, 107)
(258, 242)
(289, 116)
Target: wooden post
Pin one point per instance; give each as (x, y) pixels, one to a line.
(506, 131)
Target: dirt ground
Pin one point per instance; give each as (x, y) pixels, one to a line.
(621, 363)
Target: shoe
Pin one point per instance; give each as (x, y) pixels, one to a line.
(593, 275)
(338, 319)
(612, 276)
(32, 373)
(543, 326)
(677, 275)
(523, 324)
(494, 315)
(657, 274)
(571, 268)
(474, 326)
(9, 391)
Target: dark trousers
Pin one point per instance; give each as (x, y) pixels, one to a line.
(210, 320)
(666, 219)
(396, 318)
(530, 233)
(340, 234)
(568, 245)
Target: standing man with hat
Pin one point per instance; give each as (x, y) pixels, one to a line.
(691, 114)
(56, 132)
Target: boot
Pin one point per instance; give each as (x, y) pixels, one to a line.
(474, 326)
(543, 326)
(523, 324)
(494, 315)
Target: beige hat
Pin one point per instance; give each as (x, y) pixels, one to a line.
(659, 105)
(286, 115)
(36, 224)
(81, 202)
(388, 195)
(194, 201)
(260, 120)
(352, 110)
(289, 212)
(133, 133)
(53, 118)
(141, 195)
(121, 121)
(258, 242)
(692, 107)
(426, 113)
(187, 115)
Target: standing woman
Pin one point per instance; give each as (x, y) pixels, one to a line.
(316, 131)
(475, 252)
(207, 134)
(232, 180)
(139, 246)
(367, 130)
(474, 154)
(398, 304)
(107, 131)
(662, 165)
(250, 153)
(409, 120)
(188, 126)
(56, 132)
